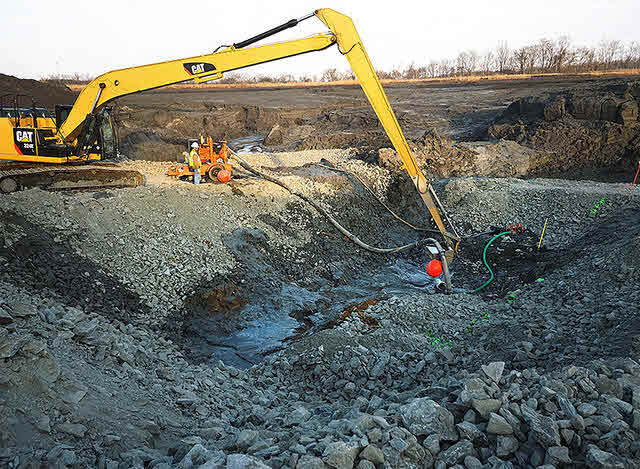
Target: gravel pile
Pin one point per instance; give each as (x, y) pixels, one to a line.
(94, 289)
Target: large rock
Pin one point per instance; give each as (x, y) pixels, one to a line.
(486, 406)
(557, 455)
(22, 310)
(85, 329)
(5, 317)
(498, 425)
(75, 429)
(196, 456)
(471, 432)
(566, 406)
(545, 429)
(456, 453)
(494, 371)
(297, 417)
(246, 438)
(373, 454)
(11, 344)
(598, 459)
(424, 417)
(340, 455)
(244, 461)
(506, 445)
(310, 462)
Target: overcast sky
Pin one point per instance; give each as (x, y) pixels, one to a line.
(38, 38)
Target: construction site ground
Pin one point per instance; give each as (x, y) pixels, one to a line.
(231, 326)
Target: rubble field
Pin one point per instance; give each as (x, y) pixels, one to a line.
(231, 326)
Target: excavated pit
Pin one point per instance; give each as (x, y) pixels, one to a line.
(117, 307)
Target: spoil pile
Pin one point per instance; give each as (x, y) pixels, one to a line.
(591, 127)
(45, 94)
(93, 372)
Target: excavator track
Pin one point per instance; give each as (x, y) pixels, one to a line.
(20, 176)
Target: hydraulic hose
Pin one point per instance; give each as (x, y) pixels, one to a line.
(484, 259)
(328, 216)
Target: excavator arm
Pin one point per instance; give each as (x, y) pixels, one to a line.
(207, 67)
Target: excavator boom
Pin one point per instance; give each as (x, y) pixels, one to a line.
(351, 46)
(95, 96)
(202, 68)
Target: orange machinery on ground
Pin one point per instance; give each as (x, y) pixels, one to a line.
(214, 157)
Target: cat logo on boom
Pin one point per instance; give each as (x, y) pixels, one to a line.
(194, 68)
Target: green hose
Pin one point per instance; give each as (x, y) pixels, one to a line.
(484, 259)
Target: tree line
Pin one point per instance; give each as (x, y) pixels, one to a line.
(545, 56)
(557, 55)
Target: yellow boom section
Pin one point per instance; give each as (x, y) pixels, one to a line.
(132, 80)
(211, 66)
(351, 46)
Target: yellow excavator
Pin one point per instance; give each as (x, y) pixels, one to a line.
(84, 133)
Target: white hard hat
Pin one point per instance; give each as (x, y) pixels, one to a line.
(194, 145)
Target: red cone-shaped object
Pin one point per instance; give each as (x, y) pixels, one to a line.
(434, 268)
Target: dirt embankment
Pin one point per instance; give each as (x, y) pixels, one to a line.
(592, 127)
(159, 135)
(588, 132)
(534, 129)
(44, 94)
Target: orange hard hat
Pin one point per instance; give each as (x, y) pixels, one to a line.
(434, 268)
(224, 175)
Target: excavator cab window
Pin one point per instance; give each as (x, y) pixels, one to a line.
(108, 135)
(62, 112)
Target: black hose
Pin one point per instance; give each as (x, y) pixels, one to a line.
(326, 214)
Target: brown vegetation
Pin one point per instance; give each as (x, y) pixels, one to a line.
(386, 81)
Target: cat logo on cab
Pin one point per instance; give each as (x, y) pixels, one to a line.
(24, 136)
(24, 140)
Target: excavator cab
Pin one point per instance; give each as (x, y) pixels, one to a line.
(30, 133)
(98, 136)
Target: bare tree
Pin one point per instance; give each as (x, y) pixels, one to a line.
(446, 68)
(560, 53)
(545, 51)
(608, 51)
(462, 63)
(520, 60)
(585, 59)
(525, 58)
(432, 69)
(330, 74)
(503, 54)
(487, 63)
(632, 55)
(474, 59)
(411, 72)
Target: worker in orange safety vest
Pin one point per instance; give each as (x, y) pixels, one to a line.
(195, 163)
